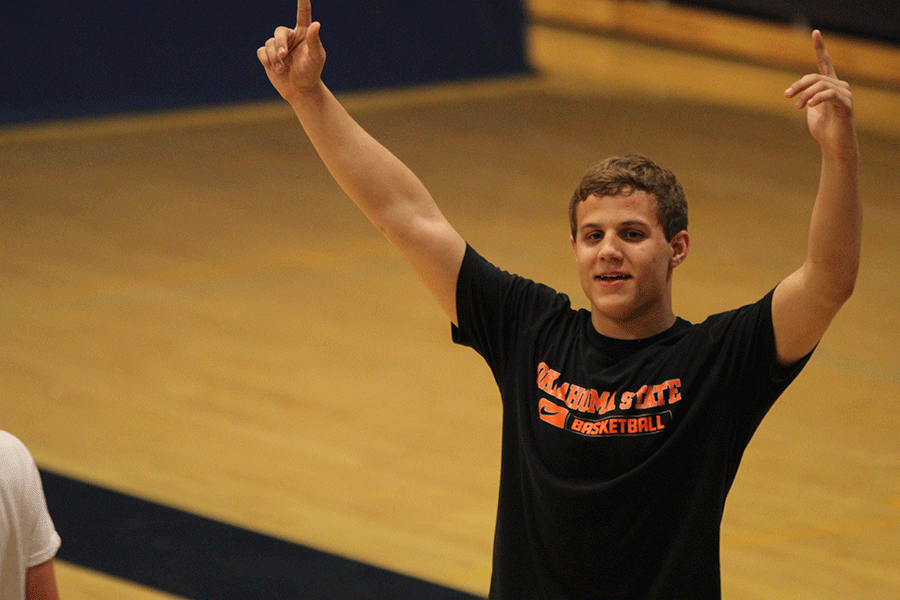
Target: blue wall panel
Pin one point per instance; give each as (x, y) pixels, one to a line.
(62, 59)
(873, 19)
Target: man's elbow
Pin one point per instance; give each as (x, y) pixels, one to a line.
(849, 285)
(837, 289)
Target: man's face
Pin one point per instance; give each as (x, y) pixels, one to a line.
(625, 264)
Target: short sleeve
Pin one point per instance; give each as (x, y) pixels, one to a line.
(494, 307)
(26, 505)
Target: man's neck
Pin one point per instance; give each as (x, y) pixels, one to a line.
(634, 328)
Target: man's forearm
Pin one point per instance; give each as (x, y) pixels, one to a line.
(836, 227)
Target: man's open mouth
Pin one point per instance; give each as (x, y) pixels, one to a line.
(613, 277)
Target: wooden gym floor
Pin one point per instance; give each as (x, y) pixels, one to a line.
(192, 313)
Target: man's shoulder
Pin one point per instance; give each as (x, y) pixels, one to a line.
(16, 461)
(760, 309)
(11, 445)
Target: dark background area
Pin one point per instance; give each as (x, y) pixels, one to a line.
(62, 59)
(874, 19)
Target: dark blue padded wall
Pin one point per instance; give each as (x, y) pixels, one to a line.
(872, 19)
(61, 59)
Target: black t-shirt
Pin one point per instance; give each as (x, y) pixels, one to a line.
(617, 455)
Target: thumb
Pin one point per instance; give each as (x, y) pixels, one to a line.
(314, 43)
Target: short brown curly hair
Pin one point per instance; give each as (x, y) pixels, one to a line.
(635, 172)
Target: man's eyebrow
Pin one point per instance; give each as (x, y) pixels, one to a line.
(636, 222)
(628, 223)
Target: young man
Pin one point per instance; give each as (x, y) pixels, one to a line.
(623, 426)
(28, 540)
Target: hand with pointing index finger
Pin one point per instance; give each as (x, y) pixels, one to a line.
(294, 58)
(828, 102)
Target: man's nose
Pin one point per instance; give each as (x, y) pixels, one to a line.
(609, 248)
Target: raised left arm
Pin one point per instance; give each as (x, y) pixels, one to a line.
(806, 301)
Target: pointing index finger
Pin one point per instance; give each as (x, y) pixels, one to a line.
(825, 65)
(304, 13)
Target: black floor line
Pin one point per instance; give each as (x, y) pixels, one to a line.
(202, 559)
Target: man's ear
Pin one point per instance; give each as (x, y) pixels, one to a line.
(681, 244)
(574, 250)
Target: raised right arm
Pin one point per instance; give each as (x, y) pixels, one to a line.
(385, 190)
